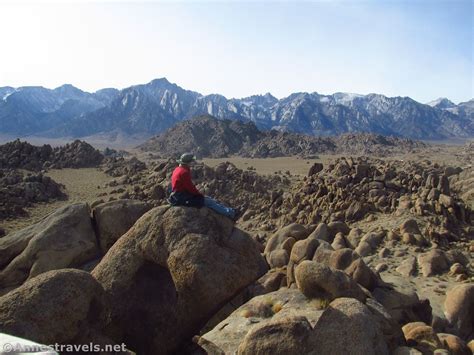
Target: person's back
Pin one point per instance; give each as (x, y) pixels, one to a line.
(181, 181)
(184, 193)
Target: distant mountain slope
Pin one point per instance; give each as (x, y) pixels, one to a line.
(29, 110)
(149, 108)
(207, 136)
(466, 110)
(154, 107)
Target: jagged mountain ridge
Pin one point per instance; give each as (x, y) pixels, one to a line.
(154, 107)
(207, 136)
(34, 109)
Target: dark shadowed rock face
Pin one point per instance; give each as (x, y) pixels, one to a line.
(170, 272)
(114, 218)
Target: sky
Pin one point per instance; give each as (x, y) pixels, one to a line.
(418, 48)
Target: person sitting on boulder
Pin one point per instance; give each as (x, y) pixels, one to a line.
(184, 193)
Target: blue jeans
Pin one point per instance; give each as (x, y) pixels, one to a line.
(219, 208)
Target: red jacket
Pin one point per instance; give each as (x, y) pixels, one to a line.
(181, 181)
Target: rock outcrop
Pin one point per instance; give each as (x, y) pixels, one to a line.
(454, 344)
(62, 306)
(275, 307)
(403, 306)
(218, 138)
(347, 326)
(63, 239)
(120, 166)
(316, 280)
(170, 272)
(351, 190)
(281, 336)
(23, 155)
(114, 218)
(422, 337)
(18, 192)
(459, 310)
(77, 154)
(285, 321)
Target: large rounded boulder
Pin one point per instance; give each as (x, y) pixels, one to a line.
(281, 336)
(318, 280)
(347, 327)
(60, 306)
(274, 323)
(287, 322)
(63, 239)
(171, 272)
(459, 310)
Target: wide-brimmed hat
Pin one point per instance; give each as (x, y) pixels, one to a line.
(186, 158)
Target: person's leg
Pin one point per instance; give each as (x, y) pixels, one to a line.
(219, 208)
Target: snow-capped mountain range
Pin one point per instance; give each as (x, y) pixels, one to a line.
(154, 107)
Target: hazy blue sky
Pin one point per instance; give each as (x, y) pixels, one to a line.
(422, 49)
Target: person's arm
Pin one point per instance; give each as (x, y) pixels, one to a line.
(189, 186)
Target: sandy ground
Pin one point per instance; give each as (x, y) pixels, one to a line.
(82, 185)
(115, 140)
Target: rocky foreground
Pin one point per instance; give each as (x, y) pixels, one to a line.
(362, 256)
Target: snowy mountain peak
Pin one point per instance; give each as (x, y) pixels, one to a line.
(5, 92)
(161, 82)
(441, 103)
(345, 98)
(154, 107)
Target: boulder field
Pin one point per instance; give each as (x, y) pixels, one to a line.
(19, 190)
(359, 257)
(185, 280)
(153, 290)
